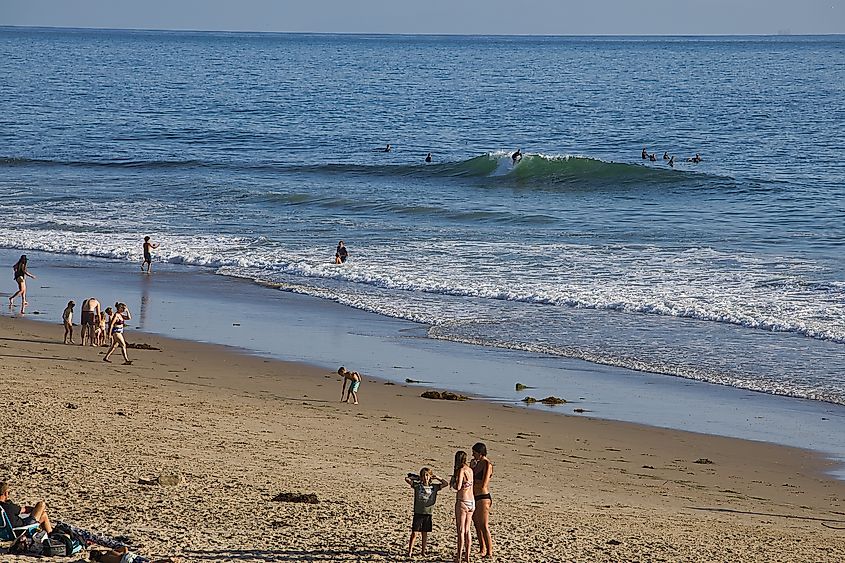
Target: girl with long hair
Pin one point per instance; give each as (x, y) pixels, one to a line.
(464, 505)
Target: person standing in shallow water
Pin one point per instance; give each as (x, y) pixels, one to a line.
(148, 257)
(20, 276)
(482, 470)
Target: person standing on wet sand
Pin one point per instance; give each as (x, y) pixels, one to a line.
(67, 320)
(482, 470)
(20, 276)
(90, 318)
(116, 326)
(148, 257)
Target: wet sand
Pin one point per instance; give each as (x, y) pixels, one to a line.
(237, 430)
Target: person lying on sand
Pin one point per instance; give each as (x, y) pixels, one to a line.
(123, 555)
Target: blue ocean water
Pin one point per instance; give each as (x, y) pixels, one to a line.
(252, 154)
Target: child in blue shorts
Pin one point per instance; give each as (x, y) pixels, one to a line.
(425, 495)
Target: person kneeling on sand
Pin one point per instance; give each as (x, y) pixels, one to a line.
(24, 515)
(425, 495)
(354, 380)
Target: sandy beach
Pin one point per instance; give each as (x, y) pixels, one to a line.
(91, 438)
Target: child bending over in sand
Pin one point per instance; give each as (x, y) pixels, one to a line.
(425, 495)
(354, 380)
(67, 319)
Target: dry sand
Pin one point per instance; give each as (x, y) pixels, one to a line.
(238, 430)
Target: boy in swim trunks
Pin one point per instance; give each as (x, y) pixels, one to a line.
(148, 257)
(354, 380)
(425, 495)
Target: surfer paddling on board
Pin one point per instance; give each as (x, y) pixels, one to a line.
(517, 156)
(428, 158)
(388, 148)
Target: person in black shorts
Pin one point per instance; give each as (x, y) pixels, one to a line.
(425, 495)
(24, 515)
(148, 257)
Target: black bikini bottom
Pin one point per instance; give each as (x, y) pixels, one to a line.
(485, 496)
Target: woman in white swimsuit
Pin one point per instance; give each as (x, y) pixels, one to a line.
(464, 505)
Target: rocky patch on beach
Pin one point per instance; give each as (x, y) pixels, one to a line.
(547, 401)
(141, 346)
(444, 396)
(307, 498)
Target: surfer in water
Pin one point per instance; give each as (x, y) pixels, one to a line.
(428, 157)
(517, 156)
(652, 157)
(666, 155)
(672, 162)
(645, 154)
(388, 148)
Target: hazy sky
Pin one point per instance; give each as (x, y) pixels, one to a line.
(552, 17)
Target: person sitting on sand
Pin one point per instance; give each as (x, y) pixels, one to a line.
(425, 495)
(354, 380)
(67, 320)
(148, 257)
(341, 254)
(464, 505)
(116, 326)
(20, 276)
(24, 515)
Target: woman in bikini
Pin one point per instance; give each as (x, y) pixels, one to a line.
(21, 274)
(464, 505)
(116, 324)
(482, 470)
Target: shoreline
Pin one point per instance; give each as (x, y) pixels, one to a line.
(192, 304)
(239, 429)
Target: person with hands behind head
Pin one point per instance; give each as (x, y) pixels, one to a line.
(425, 495)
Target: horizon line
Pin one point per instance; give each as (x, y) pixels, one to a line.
(418, 34)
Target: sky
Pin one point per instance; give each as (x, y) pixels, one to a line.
(494, 17)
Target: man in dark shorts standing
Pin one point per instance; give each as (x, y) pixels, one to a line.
(148, 257)
(90, 320)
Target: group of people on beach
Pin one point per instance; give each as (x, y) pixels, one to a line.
(471, 482)
(670, 160)
(99, 327)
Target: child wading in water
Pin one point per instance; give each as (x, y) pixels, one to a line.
(67, 319)
(425, 495)
(354, 380)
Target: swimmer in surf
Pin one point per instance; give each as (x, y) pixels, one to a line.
(652, 157)
(387, 148)
(341, 254)
(517, 156)
(645, 153)
(672, 162)
(428, 157)
(666, 155)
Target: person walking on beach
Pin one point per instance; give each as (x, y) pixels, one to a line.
(425, 495)
(20, 516)
(341, 254)
(20, 276)
(464, 506)
(482, 470)
(148, 257)
(67, 320)
(116, 326)
(354, 380)
(90, 318)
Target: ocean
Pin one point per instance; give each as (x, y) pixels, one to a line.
(251, 155)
